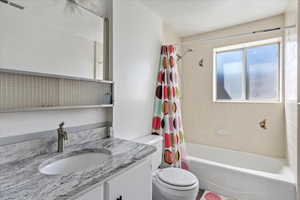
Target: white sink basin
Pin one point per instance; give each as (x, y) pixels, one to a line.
(72, 164)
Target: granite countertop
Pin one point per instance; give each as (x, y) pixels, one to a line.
(21, 179)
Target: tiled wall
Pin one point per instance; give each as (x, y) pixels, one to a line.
(291, 85)
(229, 125)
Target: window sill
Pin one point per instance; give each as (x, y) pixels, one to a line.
(250, 102)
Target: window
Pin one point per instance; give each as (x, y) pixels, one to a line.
(248, 72)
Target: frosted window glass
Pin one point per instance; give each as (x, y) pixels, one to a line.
(248, 74)
(262, 72)
(230, 75)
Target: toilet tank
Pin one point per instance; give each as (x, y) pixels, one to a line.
(157, 141)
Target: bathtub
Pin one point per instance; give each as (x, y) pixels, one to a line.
(243, 176)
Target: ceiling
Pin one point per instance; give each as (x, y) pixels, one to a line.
(189, 17)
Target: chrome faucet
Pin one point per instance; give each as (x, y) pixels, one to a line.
(62, 135)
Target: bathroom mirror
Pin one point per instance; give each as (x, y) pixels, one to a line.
(54, 37)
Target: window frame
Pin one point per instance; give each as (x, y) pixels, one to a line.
(244, 47)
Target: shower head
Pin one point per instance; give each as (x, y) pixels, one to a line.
(75, 5)
(180, 57)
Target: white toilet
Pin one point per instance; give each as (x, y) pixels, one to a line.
(169, 183)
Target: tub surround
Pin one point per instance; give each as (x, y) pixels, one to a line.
(19, 167)
(226, 125)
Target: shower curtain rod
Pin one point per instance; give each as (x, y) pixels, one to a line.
(237, 35)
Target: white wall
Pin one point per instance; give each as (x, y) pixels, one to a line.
(64, 45)
(170, 37)
(135, 38)
(136, 59)
(27, 122)
(291, 82)
(229, 125)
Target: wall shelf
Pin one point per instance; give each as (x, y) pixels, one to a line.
(28, 73)
(54, 108)
(31, 92)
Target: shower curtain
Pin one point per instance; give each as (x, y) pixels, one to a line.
(167, 119)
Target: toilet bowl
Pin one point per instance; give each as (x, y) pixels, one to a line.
(174, 184)
(169, 183)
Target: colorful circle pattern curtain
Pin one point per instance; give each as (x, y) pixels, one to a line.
(167, 119)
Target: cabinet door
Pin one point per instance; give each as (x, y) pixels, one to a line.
(95, 194)
(135, 184)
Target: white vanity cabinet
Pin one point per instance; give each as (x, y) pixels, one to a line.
(95, 194)
(135, 184)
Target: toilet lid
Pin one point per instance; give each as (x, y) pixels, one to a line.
(177, 177)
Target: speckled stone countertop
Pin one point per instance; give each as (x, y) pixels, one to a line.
(21, 179)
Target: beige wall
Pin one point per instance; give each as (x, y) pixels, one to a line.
(229, 125)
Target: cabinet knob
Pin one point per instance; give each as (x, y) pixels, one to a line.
(120, 198)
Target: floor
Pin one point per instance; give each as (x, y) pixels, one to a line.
(207, 195)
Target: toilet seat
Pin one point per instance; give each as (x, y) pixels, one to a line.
(174, 184)
(176, 179)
